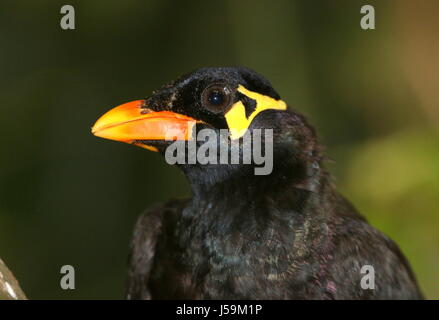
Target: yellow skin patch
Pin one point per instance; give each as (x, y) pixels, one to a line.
(237, 121)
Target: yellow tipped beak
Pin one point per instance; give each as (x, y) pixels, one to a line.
(129, 122)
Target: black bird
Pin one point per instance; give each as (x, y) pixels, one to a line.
(284, 235)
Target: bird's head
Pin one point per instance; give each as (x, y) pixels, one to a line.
(233, 98)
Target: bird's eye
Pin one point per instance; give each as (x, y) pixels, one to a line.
(216, 98)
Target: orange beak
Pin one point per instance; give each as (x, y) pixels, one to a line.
(130, 122)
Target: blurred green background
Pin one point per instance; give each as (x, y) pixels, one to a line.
(67, 197)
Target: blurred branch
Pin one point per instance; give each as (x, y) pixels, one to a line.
(9, 287)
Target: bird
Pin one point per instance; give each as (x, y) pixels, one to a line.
(288, 234)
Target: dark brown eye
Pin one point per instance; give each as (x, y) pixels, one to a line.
(217, 98)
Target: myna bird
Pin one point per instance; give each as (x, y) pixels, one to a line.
(287, 234)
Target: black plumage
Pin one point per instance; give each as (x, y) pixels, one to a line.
(286, 235)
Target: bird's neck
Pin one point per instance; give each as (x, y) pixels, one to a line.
(234, 192)
(245, 210)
